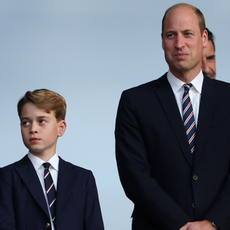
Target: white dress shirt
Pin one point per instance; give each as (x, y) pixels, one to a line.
(39, 168)
(194, 92)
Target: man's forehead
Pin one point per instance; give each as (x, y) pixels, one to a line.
(181, 14)
(179, 9)
(181, 24)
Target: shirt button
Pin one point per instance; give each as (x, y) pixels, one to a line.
(195, 177)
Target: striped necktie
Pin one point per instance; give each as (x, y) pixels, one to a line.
(188, 117)
(50, 190)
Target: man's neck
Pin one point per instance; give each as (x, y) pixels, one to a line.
(186, 76)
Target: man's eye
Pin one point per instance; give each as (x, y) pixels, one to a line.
(210, 58)
(169, 35)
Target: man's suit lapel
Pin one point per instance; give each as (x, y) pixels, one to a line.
(65, 184)
(169, 104)
(29, 176)
(207, 106)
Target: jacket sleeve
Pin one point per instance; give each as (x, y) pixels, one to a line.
(7, 213)
(93, 216)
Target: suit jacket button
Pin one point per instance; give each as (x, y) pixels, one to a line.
(48, 225)
(195, 177)
(193, 205)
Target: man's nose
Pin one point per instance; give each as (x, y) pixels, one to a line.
(179, 41)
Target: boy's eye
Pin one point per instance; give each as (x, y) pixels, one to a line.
(25, 123)
(42, 121)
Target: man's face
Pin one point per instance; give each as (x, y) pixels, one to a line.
(182, 41)
(209, 61)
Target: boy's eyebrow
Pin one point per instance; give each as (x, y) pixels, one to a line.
(42, 117)
(36, 117)
(21, 118)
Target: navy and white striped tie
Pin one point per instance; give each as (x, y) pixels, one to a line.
(188, 117)
(50, 190)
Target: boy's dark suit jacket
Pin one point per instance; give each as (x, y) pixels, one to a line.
(23, 206)
(168, 185)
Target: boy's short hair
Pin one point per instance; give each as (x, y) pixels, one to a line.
(47, 100)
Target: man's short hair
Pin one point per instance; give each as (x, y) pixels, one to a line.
(211, 37)
(198, 13)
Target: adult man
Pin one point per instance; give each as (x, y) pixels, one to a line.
(209, 57)
(172, 185)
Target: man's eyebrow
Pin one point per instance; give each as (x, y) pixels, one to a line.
(175, 31)
(211, 56)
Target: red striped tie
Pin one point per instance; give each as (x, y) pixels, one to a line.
(50, 190)
(188, 117)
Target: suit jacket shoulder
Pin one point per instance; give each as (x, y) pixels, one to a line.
(161, 81)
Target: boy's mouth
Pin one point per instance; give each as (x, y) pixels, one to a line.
(34, 139)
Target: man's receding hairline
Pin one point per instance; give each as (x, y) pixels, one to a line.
(177, 6)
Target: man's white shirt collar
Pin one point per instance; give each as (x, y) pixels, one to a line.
(177, 84)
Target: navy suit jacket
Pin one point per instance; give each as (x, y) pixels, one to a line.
(23, 205)
(167, 184)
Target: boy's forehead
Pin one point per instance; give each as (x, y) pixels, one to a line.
(31, 109)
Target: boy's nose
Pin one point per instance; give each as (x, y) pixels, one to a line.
(33, 131)
(33, 128)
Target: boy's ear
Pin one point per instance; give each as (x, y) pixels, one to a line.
(61, 127)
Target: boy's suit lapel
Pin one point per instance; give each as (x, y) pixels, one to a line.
(29, 176)
(26, 171)
(65, 184)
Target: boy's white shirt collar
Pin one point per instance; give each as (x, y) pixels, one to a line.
(37, 162)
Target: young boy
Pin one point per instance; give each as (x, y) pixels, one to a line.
(56, 195)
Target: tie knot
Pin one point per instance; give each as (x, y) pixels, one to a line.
(46, 165)
(187, 87)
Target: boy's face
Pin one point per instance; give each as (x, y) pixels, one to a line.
(40, 131)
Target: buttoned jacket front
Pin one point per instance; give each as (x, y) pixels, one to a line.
(168, 185)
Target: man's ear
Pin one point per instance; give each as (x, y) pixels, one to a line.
(205, 38)
(61, 127)
(162, 41)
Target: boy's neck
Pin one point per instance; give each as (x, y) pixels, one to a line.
(44, 157)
